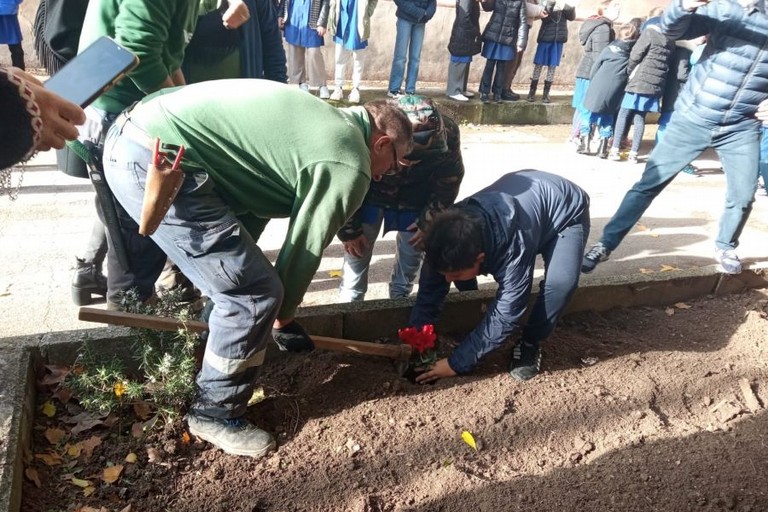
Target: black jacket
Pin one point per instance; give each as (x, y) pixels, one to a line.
(679, 69)
(608, 78)
(554, 28)
(508, 24)
(649, 62)
(596, 33)
(465, 35)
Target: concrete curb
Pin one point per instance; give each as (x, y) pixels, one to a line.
(362, 321)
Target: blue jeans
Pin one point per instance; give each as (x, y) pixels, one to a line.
(562, 257)
(738, 147)
(201, 234)
(764, 156)
(410, 37)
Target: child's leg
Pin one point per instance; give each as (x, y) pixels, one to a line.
(536, 72)
(458, 73)
(402, 37)
(296, 70)
(342, 58)
(621, 125)
(316, 67)
(498, 79)
(414, 57)
(485, 81)
(17, 56)
(358, 67)
(637, 138)
(550, 73)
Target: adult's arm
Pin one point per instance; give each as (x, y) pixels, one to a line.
(409, 8)
(679, 22)
(522, 30)
(431, 9)
(430, 298)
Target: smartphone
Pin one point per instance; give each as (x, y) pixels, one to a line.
(92, 72)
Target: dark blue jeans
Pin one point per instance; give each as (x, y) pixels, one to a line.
(201, 234)
(738, 147)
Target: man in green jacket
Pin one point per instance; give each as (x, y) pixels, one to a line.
(255, 150)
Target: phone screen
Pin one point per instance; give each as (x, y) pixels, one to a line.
(92, 72)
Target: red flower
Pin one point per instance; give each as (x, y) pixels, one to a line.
(421, 339)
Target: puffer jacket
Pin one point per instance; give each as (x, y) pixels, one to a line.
(731, 78)
(596, 33)
(428, 186)
(649, 62)
(9, 7)
(554, 28)
(608, 78)
(465, 34)
(508, 24)
(415, 11)
(679, 69)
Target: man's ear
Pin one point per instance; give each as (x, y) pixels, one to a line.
(480, 258)
(380, 139)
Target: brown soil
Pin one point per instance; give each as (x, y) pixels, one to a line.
(636, 410)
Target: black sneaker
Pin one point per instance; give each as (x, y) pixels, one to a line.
(484, 97)
(597, 254)
(233, 435)
(526, 360)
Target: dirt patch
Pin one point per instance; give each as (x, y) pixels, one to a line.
(644, 409)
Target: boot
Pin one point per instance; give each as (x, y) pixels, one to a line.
(545, 97)
(87, 281)
(532, 91)
(602, 148)
(583, 148)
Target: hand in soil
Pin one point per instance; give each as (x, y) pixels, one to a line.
(440, 370)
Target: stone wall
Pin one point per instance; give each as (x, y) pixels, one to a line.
(434, 57)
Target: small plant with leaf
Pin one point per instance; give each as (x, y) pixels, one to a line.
(423, 344)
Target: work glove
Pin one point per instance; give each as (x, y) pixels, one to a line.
(292, 338)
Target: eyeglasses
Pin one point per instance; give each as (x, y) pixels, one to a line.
(397, 163)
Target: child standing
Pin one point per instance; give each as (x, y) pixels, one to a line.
(647, 70)
(464, 43)
(608, 78)
(303, 23)
(412, 18)
(553, 34)
(10, 31)
(505, 34)
(349, 22)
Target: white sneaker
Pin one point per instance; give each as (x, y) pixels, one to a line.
(354, 95)
(469, 94)
(304, 87)
(459, 97)
(728, 261)
(324, 94)
(337, 94)
(394, 94)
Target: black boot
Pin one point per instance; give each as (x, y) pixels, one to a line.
(583, 148)
(547, 87)
(484, 97)
(602, 148)
(87, 281)
(532, 91)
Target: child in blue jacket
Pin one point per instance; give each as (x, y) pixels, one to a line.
(412, 18)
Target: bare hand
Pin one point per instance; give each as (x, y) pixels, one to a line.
(544, 14)
(440, 370)
(281, 23)
(280, 323)
(762, 112)
(321, 31)
(692, 5)
(356, 247)
(236, 15)
(60, 117)
(418, 235)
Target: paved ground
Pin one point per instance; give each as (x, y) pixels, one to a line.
(43, 230)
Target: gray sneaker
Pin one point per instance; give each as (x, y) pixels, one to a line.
(233, 435)
(526, 360)
(597, 254)
(728, 261)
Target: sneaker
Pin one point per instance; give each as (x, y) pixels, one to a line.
(354, 95)
(394, 94)
(597, 254)
(324, 93)
(484, 97)
(526, 360)
(459, 97)
(233, 435)
(469, 94)
(410, 93)
(632, 157)
(613, 155)
(727, 261)
(337, 94)
(689, 169)
(304, 87)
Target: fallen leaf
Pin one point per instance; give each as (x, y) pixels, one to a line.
(49, 409)
(112, 473)
(131, 458)
(89, 490)
(56, 374)
(63, 394)
(54, 435)
(32, 476)
(74, 450)
(334, 273)
(142, 410)
(669, 311)
(49, 459)
(257, 396)
(185, 438)
(682, 305)
(81, 483)
(89, 445)
(85, 425)
(667, 268)
(469, 439)
(154, 455)
(646, 271)
(137, 430)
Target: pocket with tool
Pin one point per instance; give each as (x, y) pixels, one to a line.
(164, 179)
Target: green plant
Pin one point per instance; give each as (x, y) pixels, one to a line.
(166, 363)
